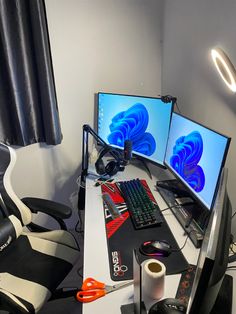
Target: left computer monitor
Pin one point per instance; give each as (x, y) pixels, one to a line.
(143, 120)
(196, 155)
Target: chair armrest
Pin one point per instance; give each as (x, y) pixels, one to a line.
(56, 210)
(48, 207)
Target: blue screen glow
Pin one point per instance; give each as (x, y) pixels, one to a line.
(196, 155)
(143, 120)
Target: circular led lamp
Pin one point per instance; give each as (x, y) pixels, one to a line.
(224, 67)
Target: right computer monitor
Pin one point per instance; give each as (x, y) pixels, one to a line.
(213, 260)
(196, 155)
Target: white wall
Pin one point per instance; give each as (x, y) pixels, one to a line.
(191, 29)
(97, 45)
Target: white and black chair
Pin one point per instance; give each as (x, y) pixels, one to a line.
(32, 264)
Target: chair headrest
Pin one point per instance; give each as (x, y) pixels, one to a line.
(7, 157)
(12, 202)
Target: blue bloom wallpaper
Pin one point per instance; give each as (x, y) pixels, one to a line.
(187, 153)
(195, 154)
(132, 125)
(143, 120)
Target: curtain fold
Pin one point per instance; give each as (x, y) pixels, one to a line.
(28, 104)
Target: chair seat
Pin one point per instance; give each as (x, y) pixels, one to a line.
(31, 268)
(58, 236)
(32, 264)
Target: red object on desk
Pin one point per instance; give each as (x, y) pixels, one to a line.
(92, 289)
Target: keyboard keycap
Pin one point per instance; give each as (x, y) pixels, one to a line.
(142, 211)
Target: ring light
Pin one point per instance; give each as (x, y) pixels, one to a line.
(224, 67)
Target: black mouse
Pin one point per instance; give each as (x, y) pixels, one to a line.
(168, 306)
(155, 248)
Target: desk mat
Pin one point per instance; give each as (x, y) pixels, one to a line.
(223, 303)
(185, 284)
(122, 238)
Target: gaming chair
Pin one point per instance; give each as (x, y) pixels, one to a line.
(32, 264)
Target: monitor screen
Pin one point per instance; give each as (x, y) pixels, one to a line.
(213, 257)
(143, 120)
(196, 155)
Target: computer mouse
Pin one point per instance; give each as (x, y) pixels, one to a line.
(168, 306)
(155, 248)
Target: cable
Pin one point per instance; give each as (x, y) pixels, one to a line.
(107, 183)
(185, 241)
(162, 210)
(180, 249)
(79, 224)
(79, 227)
(177, 250)
(233, 215)
(177, 107)
(79, 271)
(76, 241)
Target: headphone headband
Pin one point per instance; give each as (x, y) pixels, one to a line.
(112, 166)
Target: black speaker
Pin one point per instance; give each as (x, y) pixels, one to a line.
(112, 166)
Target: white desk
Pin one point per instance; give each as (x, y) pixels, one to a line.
(96, 262)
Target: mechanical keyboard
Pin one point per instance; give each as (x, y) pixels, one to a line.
(143, 212)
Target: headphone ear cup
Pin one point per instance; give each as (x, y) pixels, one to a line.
(100, 167)
(112, 168)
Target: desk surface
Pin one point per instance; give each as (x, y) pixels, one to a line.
(96, 262)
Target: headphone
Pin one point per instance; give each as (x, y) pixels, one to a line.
(113, 166)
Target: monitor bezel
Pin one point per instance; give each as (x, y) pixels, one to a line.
(221, 167)
(138, 156)
(213, 256)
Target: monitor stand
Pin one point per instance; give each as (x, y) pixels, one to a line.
(192, 216)
(174, 186)
(224, 299)
(144, 163)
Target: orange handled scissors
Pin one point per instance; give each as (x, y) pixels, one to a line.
(93, 289)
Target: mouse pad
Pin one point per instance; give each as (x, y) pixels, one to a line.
(122, 238)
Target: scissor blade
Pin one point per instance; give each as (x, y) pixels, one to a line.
(118, 286)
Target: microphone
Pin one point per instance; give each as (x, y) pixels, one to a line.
(127, 151)
(114, 211)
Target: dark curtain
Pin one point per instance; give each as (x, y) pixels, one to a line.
(28, 105)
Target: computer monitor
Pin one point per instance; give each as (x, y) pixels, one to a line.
(213, 257)
(196, 155)
(143, 120)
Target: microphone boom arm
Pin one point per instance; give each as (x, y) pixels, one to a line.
(86, 131)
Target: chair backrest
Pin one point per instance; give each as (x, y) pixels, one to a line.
(12, 202)
(3, 210)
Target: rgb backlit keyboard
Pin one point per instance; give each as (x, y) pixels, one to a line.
(143, 212)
